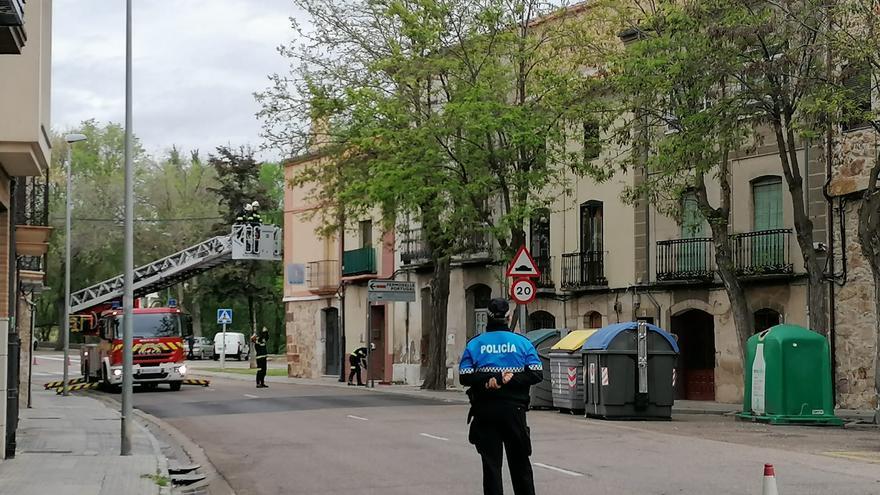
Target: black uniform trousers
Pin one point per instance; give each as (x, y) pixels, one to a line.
(261, 370)
(497, 425)
(355, 363)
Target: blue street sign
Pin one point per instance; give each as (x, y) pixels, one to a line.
(224, 316)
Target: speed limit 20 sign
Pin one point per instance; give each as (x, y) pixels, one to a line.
(523, 290)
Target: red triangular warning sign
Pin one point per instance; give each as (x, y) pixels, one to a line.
(523, 265)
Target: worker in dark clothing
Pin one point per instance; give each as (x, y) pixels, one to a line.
(262, 350)
(499, 367)
(356, 359)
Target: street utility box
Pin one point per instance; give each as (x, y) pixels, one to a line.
(788, 378)
(542, 394)
(630, 370)
(567, 371)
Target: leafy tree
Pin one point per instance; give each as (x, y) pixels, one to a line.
(675, 115)
(241, 179)
(443, 112)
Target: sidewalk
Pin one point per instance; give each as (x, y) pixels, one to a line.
(70, 445)
(458, 395)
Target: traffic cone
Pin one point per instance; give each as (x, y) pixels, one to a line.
(769, 481)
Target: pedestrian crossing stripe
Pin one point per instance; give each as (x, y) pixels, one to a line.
(77, 387)
(196, 381)
(59, 383)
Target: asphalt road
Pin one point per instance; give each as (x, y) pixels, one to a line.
(297, 439)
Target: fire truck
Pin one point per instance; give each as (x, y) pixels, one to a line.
(157, 347)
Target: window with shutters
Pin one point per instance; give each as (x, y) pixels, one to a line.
(857, 81)
(767, 203)
(767, 250)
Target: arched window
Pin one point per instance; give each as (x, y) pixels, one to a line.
(593, 319)
(477, 299)
(766, 318)
(541, 319)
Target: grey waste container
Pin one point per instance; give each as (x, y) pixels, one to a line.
(567, 371)
(629, 369)
(542, 394)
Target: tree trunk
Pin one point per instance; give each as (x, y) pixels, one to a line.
(435, 376)
(803, 226)
(197, 317)
(719, 224)
(869, 237)
(743, 320)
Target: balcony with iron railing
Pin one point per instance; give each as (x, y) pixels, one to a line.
(545, 266)
(413, 248)
(763, 253)
(583, 270)
(476, 247)
(12, 35)
(755, 254)
(31, 228)
(359, 262)
(686, 260)
(322, 277)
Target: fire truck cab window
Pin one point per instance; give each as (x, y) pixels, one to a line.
(152, 325)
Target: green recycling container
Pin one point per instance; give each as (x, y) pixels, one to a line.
(788, 378)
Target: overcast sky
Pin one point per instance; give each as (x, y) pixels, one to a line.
(196, 65)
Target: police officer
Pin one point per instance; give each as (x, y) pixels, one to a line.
(499, 367)
(355, 359)
(262, 350)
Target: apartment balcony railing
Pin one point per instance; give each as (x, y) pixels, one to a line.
(763, 252)
(474, 247)
(413, 248)
(545, 266)
(322, 276)
(31, 223)
(686, 259)
(359, 261)
(583, 270)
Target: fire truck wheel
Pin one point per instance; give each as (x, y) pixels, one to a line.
(175, 386)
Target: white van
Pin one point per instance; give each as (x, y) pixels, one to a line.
(236, 346)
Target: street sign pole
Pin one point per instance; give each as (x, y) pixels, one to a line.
(369, 338)
(224, 317)
(522, 269)
(223, 350)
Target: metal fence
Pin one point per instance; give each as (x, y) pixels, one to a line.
(686, 259)
(586, 269)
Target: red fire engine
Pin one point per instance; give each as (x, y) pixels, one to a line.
(157, 347)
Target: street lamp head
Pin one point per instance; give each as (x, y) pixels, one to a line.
(75, 138)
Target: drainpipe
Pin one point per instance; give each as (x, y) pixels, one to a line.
(341, 293)
(14, 344)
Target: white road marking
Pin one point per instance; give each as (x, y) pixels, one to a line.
(249, 396)
(428, 435)
(357, 417)
(558, 470)
(53, 358)
(43, 373)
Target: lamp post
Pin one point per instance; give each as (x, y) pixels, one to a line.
(70, 138)
(128, 256)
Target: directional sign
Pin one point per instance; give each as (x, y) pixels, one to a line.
(391, 290)
(523, 290)
(523, 265)
(224, 316)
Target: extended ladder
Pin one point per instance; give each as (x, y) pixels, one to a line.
(254, 242)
